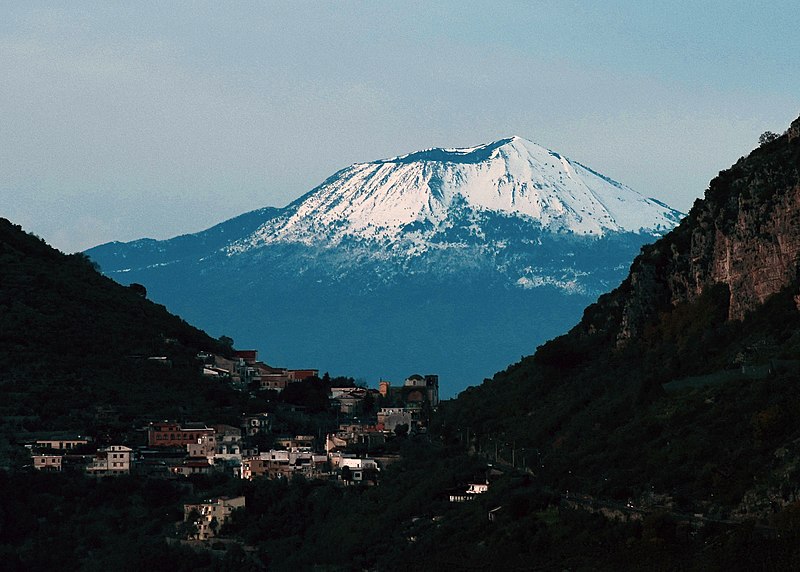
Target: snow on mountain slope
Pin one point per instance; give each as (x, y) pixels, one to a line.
(415, 196)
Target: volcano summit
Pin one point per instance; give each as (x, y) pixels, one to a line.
(454, 261)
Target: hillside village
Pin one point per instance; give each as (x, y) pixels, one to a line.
(354, 452)
(676, 449)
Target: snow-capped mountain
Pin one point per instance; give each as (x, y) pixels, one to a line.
(412, 198)
(453, 261)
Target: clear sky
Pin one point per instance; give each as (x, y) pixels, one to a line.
(133, 119)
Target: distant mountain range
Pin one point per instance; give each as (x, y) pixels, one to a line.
(449, 261)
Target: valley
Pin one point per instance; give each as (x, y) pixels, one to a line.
(658, 432)
(360, 273)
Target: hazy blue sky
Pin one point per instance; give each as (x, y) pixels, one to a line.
(119, 121)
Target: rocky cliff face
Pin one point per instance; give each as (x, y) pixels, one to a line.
(745, 234)
(758, 256)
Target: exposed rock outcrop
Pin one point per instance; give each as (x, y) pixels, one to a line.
(744, 234)
(794, 130)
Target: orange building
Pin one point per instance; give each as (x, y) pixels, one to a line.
(301, 374)
(167, 434)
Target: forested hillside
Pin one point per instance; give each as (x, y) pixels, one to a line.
(682, 381)
(73, 342)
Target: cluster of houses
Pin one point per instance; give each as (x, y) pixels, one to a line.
(403, 404)
(171, 449)
(59, 453)
(174, 449)
(244, 370)
(352, 454)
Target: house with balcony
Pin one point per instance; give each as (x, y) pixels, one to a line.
(113, 460)
(208, 517)
(51, 463)
(256, 424)
(281, 463)
(205, 447)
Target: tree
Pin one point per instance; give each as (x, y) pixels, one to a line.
(138, 289)
(226, 341)
(767, 137)
(311, 393)
(188, 528)
(368, 404)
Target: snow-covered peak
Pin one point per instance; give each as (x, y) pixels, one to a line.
(390, 200)
(451, 155)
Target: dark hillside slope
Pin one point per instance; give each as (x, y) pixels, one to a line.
(73, 342)
(683, 381)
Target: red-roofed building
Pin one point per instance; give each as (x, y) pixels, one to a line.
(301, 374)
(192, 467)
(248, 356)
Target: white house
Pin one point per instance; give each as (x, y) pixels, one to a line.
(472, 490)
(113, 460)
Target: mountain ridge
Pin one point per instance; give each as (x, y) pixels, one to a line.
(390, 200)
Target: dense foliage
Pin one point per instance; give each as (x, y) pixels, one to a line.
(609, 427)
(68, 522)
(74, 349)
(74, 523)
